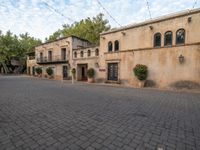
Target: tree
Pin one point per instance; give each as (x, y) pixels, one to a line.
(88, 29)
(12, 46)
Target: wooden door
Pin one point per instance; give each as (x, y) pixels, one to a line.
(113, 71)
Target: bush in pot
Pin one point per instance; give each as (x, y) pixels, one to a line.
(90, 74)
(73, 71)
(38, 70)
(49, 71)
(141, 72)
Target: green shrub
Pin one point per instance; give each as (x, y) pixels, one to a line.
(141, 71)
(90, 73)
(49, 71)
(73, 71)
(38, 70)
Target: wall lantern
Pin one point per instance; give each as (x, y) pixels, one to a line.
(151, 27)
(123, 33)
(181, 59)
(189, 19)
(103, 37)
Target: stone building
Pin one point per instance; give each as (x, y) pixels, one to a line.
(169, 46)
(83, 59)
(56, 55)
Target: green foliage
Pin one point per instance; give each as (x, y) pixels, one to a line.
(88, 29)
(38, 70)
(49, 71)
(73, 71)
(16, 46)
(90, 73)
(141, 71)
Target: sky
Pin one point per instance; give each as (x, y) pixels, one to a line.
(40, 21)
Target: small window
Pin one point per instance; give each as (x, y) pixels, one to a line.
(157, 40)
(110, 46)
(75, 54)
(63, 53)
(88, 53)
(116, 45)
(49, 55)
(180, 36)
(82, 54)
(97, 52)
(41, 57)
(168, 38)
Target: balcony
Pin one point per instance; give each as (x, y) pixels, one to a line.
(52, 60)
(31, 57)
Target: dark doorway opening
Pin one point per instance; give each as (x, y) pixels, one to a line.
(113, 71)
(82, 72)
(33, 70)
(65, 72)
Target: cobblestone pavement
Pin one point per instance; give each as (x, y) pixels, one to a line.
(42, 114)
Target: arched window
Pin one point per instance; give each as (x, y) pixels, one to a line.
(157, 40)
(180, 36)
(110, 46)
(75, 54)
(82, 53)
(97, 52)
(116, 45)
(168, 38)
(88, 53)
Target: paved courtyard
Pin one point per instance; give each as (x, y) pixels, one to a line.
(42, 114)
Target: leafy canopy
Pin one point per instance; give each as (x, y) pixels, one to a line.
(88, 29)
(16, 46)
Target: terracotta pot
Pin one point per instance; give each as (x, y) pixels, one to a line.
(90, 80)
(141, 83)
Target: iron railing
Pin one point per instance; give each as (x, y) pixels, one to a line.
(31, 57)
(52, 59)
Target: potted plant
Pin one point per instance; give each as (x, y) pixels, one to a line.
(49, 71)
(141, 72)
(90, 74)
(73, 71)
(38, 70)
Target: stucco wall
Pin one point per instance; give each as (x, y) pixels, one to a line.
(136, 47)
(91, 61)
(30, 63)
(142, 36)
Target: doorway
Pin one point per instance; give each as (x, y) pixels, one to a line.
(65, 72)
(33, 71)
(29, 71)
(113, 71)
(82, 72)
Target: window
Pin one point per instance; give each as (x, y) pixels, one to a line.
(41, 57)
(75, 54)
(63, 53)
(88, 53)
(49, 55)
(157, 40)
(168, 38)
(82, 53)
(110, 46)
(97, 52)
(180, 36)
(116, 45)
